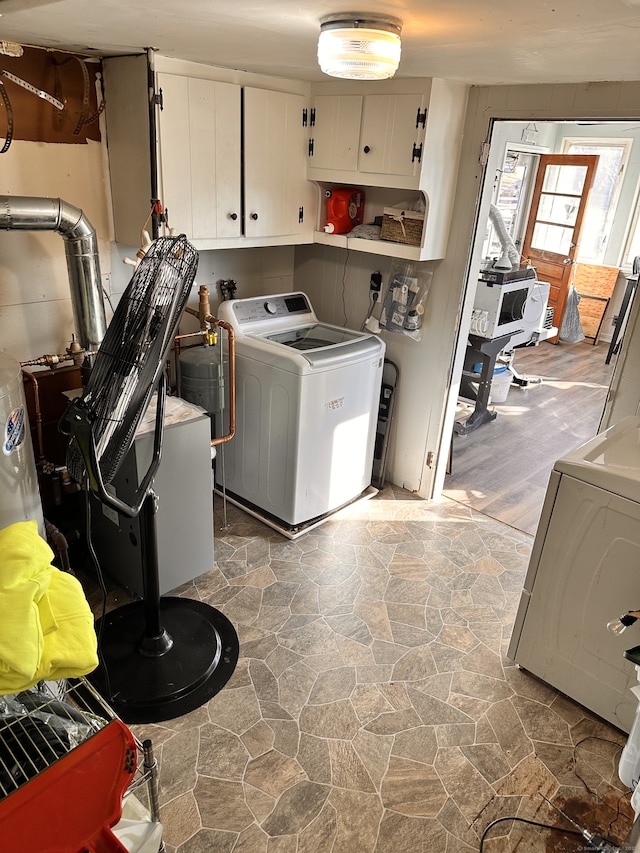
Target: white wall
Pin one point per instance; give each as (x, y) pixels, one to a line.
(35, 303)
(256, 272)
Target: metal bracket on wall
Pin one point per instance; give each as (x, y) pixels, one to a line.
(30, 88)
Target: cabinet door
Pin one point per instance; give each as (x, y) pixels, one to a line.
(274, 163)
(199, 156)
(389, 131)
(336, 132)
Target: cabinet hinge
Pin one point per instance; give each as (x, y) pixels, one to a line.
(416, 153)
(158, 99)
(421, 118)
(312, 117)
(311, 148)
(305, 115)
(301, 214)
(484, 153)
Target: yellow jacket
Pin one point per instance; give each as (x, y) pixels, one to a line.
(46, 625)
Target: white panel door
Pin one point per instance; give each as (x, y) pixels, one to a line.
(390, 130)
(336, 132)
(215, 151)
(274, 162)
(174, 160)
(200, 156)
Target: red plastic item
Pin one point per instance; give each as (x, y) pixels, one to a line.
(345, 209)
(70, 806)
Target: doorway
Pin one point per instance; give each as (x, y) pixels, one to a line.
(502, 468)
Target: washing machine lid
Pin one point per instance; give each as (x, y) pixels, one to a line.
(610, 461)
(282, 330)
(314, 347)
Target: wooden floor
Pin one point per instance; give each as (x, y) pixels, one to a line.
(502, 468)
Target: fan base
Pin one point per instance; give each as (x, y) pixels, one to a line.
(148, 689)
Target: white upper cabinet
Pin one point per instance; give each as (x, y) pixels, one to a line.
(199, 147)
(278, 200)
(239, 159)
(335, 132)
(370, 134)
(392, 135)
(227, 160)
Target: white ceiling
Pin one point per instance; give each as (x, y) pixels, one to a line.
(476, 41)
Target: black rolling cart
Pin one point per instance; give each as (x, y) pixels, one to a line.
(484, 351)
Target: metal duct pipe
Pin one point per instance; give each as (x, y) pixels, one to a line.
(506, 241)
(23, 213)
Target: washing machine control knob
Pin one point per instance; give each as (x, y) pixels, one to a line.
(270, 307)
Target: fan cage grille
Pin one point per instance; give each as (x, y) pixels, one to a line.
(131, 357)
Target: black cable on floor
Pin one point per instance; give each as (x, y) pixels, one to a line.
(524, 820)
(620, 746)
(575, 756)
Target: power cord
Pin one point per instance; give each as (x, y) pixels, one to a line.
(619, 746)
(493, 823)
(344, 272)
(101, 583)
(375, 286)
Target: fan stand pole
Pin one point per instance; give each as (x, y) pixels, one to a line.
(162, 656)
(155, 640)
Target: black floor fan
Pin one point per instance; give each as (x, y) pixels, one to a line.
(160, 657)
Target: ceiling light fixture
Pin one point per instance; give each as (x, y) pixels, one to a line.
(359, 46)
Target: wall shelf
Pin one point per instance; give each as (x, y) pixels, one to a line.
(373, 247)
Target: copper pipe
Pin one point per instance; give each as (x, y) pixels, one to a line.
(204, 309)
(190, 335)
(36, 404)
(209, 318)
(60, 545)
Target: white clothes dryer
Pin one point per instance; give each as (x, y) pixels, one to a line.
(307, 397)
(584, 572)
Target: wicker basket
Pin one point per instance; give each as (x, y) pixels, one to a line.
(402, 226)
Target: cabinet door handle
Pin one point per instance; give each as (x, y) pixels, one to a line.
(233, 216)
(366, 149)
(254, 216)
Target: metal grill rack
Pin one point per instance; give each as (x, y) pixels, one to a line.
(66, 763)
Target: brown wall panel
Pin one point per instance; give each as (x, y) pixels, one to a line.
(60, 75)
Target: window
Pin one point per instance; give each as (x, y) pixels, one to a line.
(512, 192)
(601, 209)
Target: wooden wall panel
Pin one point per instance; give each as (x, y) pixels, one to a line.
(59, 74)
(595, 284)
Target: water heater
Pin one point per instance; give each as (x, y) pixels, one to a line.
(19, 493)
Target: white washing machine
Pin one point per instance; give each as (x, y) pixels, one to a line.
(307, 397)
(584, 572)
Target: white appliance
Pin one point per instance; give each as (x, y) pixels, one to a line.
(185, 507)
(584, 571)
(307, 397)
(500, 308)
(537, 318)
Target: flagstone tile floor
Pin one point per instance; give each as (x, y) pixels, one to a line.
(373, 708)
